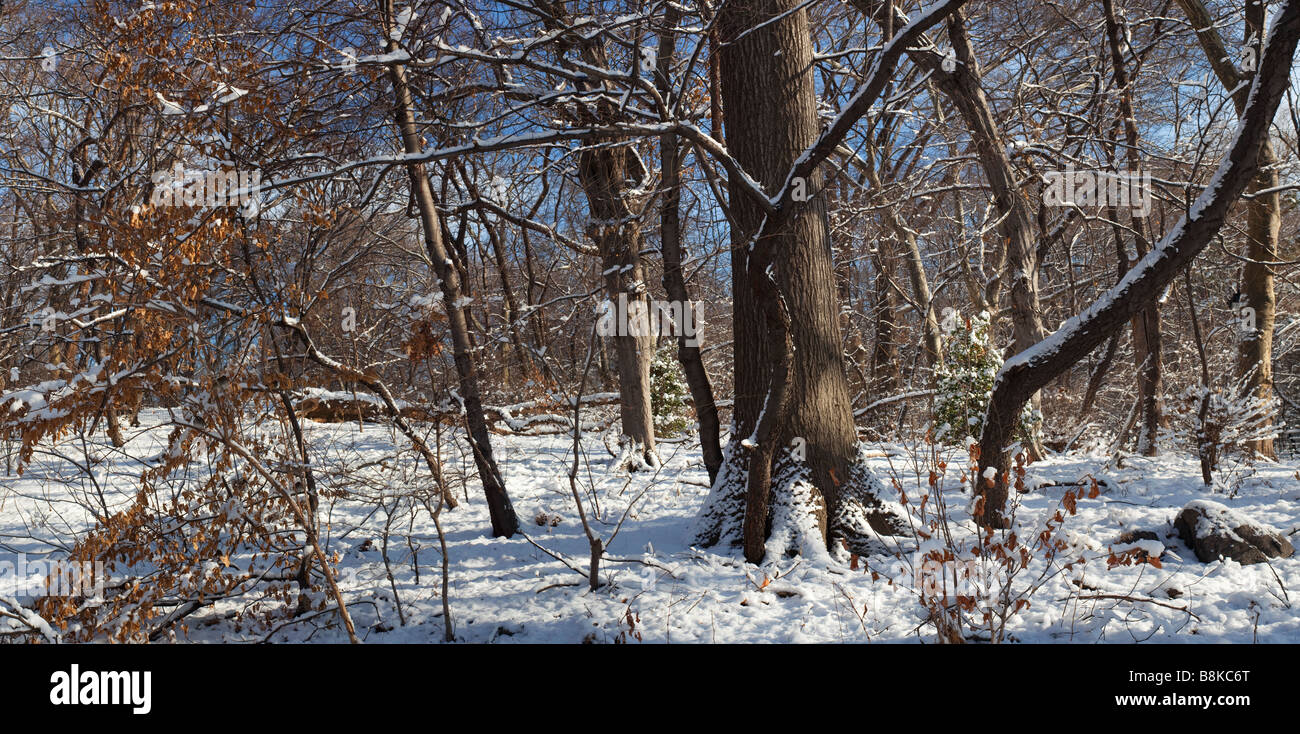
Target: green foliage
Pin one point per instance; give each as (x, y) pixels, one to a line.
(669, 397)
(964, 382)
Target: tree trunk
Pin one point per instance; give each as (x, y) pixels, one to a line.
(965, 88)
(502, 512)
(771, 117)
(603, 171)
(670, 236)
(1255, 351)
(1263, 225)
(1263, 213)
(1147, 340)
(522, 356)
(790, 385)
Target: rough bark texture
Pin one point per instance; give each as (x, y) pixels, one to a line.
(1021, 376)
(790, 386)
(502, 512)
(604, 173)
(771, 118)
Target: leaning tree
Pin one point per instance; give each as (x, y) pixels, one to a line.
(1033, 368)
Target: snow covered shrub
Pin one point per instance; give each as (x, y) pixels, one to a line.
(964, 381)
(669, 396)
(23, 624)
(1224, 419)
(182, 544)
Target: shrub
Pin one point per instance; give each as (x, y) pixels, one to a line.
(964, 381)
(669, 396)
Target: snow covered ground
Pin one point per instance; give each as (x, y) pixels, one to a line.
(659, 588)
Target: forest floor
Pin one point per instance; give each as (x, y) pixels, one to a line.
(658, 587)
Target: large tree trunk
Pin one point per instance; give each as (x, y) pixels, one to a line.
(771, 118)
(790, 385)
(502, 512)
(1029, 371)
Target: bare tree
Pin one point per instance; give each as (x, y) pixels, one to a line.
(1031, 369)
(504, 522)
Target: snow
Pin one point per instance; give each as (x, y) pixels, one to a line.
(321, 395)
(1216, 518)
(1150, 547)
(393, 57)
(511, 591)
(227, 93)
(400, 23)
(169, 107)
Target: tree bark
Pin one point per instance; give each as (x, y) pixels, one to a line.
(770, 109)
(1147, 339)
(617, 234)
(1255, 351)
(604, 168)
(502, 512)
(1263, 226)
(670, 237)
(789, 384)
